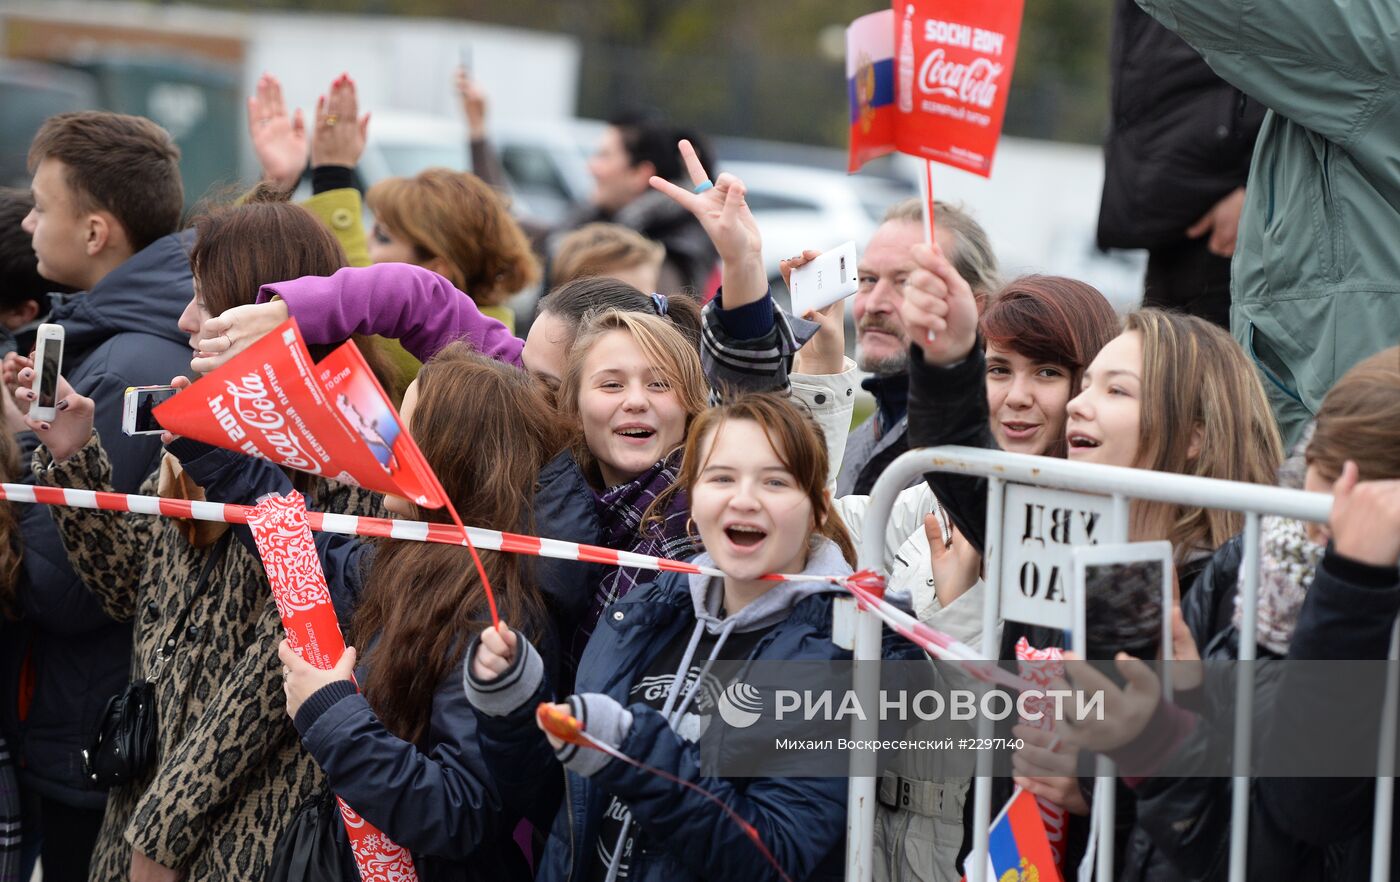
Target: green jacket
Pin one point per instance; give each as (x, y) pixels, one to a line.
(1316, 275)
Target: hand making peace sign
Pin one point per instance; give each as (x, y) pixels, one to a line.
(720, 208)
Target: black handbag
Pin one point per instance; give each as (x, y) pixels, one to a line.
(124, 747)
(314, 847)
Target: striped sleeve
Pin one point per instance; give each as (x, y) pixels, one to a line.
(735, 365)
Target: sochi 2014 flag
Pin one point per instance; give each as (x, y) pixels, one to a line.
(1017, 848)
(950, 65)
(331, 418)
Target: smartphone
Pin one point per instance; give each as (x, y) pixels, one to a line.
(1122, 599)
(48, 364)
(464, 58)
(826, 279)
(138, 406)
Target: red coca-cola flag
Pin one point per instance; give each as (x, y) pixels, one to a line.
(930, 78)
(330, 419)
(953, 67)
(298, 583)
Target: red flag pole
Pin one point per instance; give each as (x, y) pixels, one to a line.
(926, 190)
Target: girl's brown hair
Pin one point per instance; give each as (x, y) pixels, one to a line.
(1051, 320)
(664, 348)
(422, 599)
(1360, 421)
(796, 439)
(11, 548)
(238, 249)
(1199, 388)
(463, 222)
(584, 298)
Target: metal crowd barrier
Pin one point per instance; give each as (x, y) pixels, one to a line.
(1121, 485)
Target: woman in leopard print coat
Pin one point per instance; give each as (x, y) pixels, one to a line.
(230, 769)
(230, 772)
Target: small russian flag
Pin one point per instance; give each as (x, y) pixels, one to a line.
(870, 86)
(1018, 850)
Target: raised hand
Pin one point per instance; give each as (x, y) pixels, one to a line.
(225, 335)
(279, 140)
(825, 353)
(1047, 767)
(339, 134)
(729, 223)
(495, 653)
(939, 310)
(1365, 521)
(9, 372)
(474, 103)
(956, 564)
(301, 679)
(1126, 710)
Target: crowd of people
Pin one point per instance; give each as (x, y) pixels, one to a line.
(663, 402)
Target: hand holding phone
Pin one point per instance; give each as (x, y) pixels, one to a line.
(824, 280)
(137, 409)
(48, 363)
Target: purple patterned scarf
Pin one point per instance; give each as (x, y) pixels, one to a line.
(620, 511)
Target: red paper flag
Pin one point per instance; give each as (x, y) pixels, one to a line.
(331, 419)
(953, 74)
(299, 587)
(930, 78)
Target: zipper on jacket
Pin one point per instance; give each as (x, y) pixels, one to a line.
(1330, 214)
(569, 803)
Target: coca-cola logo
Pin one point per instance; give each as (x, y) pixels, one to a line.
(974, 84)
(258, 413)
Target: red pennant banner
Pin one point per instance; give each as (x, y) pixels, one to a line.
(279, 526)
(330, 419)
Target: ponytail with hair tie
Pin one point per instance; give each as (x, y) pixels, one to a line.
(660, 302)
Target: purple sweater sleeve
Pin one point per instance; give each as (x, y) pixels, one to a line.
(415, 306)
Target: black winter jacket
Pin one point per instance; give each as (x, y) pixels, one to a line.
(1299, 828)
(121, 333)
(1179, 137)
(439, 799)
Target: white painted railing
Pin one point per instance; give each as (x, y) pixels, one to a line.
(1122, 485)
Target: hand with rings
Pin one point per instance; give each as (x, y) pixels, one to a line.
(333, 144)
(223, 336)
(279, 140)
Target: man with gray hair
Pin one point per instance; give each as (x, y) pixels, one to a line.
(882, 347)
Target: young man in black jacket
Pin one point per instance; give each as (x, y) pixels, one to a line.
(107, 205)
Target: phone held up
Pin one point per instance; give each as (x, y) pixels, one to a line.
(48, 364)
(826, 279)
(137, 407)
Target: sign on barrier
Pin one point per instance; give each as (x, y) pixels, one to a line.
(1039, 531)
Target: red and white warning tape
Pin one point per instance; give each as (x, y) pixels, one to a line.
(867, 587)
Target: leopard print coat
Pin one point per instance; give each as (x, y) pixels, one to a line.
(230, 771)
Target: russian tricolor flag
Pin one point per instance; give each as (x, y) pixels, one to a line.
(1017, 847)
(870, 86)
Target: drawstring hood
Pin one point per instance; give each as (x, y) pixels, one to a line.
(707, 592)
(707, 595)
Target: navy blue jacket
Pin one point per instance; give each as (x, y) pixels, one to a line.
(801, 820)
(124, 332)
(439, 802)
